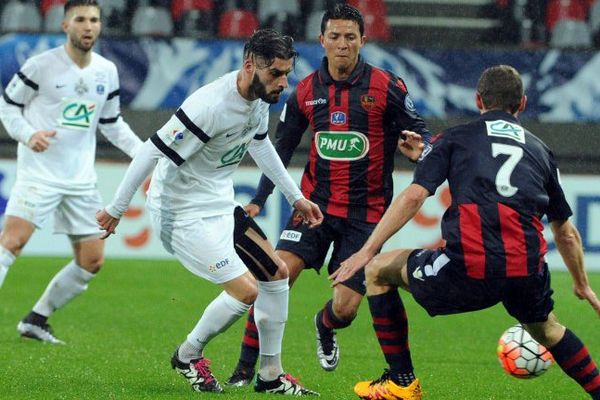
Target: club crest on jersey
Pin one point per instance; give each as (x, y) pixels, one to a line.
(100, 89)
(408, 104)
(367, 102)
(81, 88)
(509, 130)
(338, 118)
(343, 146)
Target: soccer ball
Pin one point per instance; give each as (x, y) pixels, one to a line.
(520, 355)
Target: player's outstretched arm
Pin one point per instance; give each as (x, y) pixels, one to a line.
(568, 243)
(402, 209)
(141, 166)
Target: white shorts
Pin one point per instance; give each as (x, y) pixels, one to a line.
(203, 245)
(73, 214)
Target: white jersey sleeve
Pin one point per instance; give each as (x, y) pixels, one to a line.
(186, 132)
(21, 89)
(267, 159)
(111, 123)
(141, 166)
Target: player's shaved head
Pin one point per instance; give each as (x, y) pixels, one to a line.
(267, 45)
(501, 88)
(80, 3)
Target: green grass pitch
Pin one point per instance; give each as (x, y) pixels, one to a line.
(122, 332)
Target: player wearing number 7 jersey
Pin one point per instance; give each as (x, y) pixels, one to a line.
(503, 180)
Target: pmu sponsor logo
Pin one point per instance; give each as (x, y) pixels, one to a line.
(338, 118)
(344, 146)
(310, 103)
(218, 265)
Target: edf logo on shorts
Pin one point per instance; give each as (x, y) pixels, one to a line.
(218, 265)
(293, 236)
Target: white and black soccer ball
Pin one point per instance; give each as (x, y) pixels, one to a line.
(521, 355)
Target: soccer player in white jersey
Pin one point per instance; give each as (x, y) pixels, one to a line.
(192, 207)
(53, 106)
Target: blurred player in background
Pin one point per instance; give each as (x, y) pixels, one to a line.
(192, 207)
(53, 106)
(356, 113)
(503, 180)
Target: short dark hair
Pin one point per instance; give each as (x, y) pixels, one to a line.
(78, 3)
(501, 87)
(343, 11)
(268, 44)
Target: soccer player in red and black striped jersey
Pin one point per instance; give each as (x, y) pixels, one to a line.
(356, 113)
(503, 180)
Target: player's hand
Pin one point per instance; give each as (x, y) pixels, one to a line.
(350, 266)
(40, 141)
(252, 209)
(107, 223)
(411, 145)
(586, 293)
(311, 213)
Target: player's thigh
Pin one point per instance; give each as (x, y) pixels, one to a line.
(309, 244)
(254, 249)
(33, 203)
(204, 246)
(529, 299)
(76, 215)
(15, 233)
(441, 287)
(350, 236)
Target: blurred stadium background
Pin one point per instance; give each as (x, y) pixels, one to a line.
(165, 49)
(121, 334)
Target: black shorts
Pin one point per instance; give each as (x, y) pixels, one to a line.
(312, 244)
(441, 287)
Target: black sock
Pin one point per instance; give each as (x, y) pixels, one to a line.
(34, 318)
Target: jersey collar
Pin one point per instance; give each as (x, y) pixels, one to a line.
(352, 80)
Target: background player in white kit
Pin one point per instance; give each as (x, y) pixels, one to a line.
(53, 106)
(191, 203)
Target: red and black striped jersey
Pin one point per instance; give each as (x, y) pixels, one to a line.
(503, 180)
(355, 126)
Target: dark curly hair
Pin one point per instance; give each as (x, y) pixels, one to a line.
(268, 44)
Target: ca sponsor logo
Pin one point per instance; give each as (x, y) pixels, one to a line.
(218, 265)
(293, 236)
(505, 129)
(345, 146)
(77, 114)
(233, 156)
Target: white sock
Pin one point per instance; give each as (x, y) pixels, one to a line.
(6, 260)
(223, 311)
(270, 315)
(68, 283)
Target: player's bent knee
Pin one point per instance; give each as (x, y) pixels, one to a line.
(372, 271)
(13, 243)
(345, 312)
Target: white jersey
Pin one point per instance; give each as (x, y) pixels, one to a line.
(51, 92)
(204, 141)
